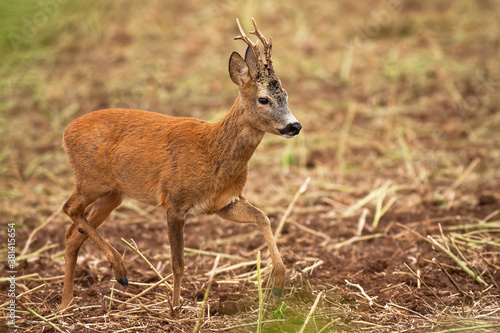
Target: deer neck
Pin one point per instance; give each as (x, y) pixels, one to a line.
(234, 140)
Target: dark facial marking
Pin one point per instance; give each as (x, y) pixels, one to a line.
(275, 90)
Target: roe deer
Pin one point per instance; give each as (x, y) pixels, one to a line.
(188, 166)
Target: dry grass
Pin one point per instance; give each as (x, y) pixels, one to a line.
(399, 101)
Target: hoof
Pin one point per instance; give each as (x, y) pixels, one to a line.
(277, 292)
(123, 281)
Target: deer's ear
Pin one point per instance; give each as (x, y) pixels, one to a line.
(238, 70)
(250, 60)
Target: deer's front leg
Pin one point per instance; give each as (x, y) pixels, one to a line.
(176, 239)
(242, 211)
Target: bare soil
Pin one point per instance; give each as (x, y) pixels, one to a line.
(385, 267)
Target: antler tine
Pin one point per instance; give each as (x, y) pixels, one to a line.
(267, 46)
(253, 46)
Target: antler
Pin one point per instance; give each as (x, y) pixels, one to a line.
(267, 46)
(253, 46)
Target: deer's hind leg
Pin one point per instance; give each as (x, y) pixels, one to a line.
(93, 215)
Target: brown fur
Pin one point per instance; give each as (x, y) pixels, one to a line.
(188, 166)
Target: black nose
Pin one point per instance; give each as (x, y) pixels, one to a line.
(291, 129)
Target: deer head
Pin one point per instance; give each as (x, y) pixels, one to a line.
(261, 94)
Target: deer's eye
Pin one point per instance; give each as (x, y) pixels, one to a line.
(263, 101)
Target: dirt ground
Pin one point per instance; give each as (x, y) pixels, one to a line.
(396, 231)
(386, 267)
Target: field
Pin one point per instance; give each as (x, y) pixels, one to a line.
(389, 199)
